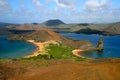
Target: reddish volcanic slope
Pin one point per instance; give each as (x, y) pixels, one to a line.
(44, 34)
(101, 69)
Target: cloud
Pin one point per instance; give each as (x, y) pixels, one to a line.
(37, 4)
(70, 11)
(96, 5)
(101, 11)
(70, 4)
(5, 6)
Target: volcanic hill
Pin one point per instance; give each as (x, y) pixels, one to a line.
(44, 34)
(55, 22)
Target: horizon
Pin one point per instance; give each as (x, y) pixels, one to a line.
(68, 11)
(62, 21)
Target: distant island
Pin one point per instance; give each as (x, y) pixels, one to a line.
(60, 26)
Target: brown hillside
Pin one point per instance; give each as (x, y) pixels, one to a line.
(47, 34)
(100, 69)
(113, 28)
(24, 27)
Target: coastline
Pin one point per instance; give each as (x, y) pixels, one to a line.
(77, 52)
(40, 47)
(36, 52)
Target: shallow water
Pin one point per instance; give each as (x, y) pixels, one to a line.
(15, 48)
(111, 45)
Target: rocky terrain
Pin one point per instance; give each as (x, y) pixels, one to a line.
(96, 69)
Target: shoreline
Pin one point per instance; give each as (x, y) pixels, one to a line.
(77, 52)
(36, 52)
(40, 47)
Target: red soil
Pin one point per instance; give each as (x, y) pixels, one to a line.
(100, 69)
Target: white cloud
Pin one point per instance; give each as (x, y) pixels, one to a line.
(101, 11)
(96, 5)
(37, 4)
(70, 4)
(70, 11)
(5, 6)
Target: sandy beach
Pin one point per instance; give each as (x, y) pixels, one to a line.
(36, 52)
(40, 48)
(77, 52)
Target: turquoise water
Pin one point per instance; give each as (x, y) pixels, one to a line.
(111, 45)
(15, 49)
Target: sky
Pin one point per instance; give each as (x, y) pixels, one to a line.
(69, 11)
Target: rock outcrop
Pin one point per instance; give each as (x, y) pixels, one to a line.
(100, 45)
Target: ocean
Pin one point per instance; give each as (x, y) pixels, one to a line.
(15, 48)
(111, 45)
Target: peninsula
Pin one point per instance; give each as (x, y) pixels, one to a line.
(43, 36)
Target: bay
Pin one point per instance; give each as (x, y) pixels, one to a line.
(111, 45)
(15, 48)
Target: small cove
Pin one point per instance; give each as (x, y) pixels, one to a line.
(111, 45)
(15, 48)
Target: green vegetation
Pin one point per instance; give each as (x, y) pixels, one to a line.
(2, 60)
(55, 52)
(62, 52)
(44, 57)
(59, 52)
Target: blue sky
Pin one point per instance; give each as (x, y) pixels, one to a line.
(69, 11)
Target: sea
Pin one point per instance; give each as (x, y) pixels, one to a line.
(15, 48)
(18, 49)
(111, 45)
